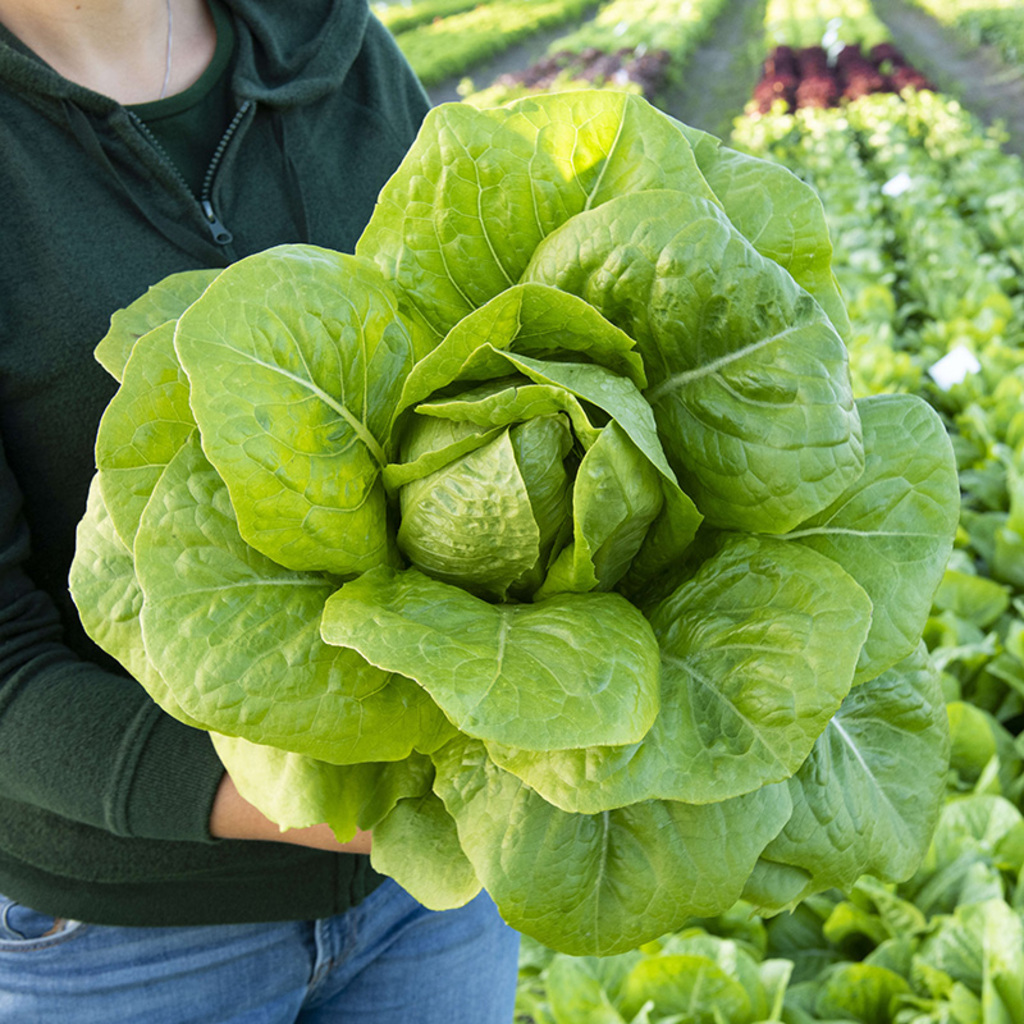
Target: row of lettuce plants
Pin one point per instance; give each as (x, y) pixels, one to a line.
(998, 23)
(449, 46)
(626, 70)
(656, 24)
(626, 33)
(403, 15)
(800, 23)
(814, 76)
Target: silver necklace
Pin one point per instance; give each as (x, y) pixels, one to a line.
(170, 36)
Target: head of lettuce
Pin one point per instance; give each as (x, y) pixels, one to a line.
(543, 535)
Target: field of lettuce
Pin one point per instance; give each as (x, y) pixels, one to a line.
(924, 199)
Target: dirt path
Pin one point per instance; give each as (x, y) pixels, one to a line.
(977, 77)
(720, 75)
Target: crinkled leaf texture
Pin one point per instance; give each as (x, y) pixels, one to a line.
(245, 633)
(571, 670)
(601, 883)
(474, 521)
(108, 598)
(892, 530)
(778, 212)
(867, 799)
(757, 654)
(296, 358)
(439, 873)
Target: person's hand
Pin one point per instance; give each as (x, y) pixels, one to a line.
(233, 817)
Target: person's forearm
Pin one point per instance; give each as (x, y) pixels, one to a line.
(233, 817)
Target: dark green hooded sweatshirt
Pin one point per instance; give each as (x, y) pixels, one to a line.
(104, 799)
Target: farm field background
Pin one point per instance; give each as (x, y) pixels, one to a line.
(907, 117)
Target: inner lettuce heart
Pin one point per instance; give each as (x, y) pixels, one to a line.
(542, 535)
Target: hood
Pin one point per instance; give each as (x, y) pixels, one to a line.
(286, 55)
(289, 54)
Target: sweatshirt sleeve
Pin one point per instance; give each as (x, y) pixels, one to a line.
(79, 740)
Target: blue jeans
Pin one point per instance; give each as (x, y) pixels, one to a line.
(387, 961)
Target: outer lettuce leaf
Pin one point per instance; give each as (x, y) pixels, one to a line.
(437, 873)
(108, 598)
(296, 358)
(142, 428)
(298, 791)
(867, 799)
(577, 669)
(781, 215)
(892, 530)
(757, 653)
(244, 633)
(477, 192)
(773, 887)
(164, 301)
(604, 883)
(748, 378)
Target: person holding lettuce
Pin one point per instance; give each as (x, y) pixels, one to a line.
(137, 140)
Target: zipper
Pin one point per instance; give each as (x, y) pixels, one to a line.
(218, 231)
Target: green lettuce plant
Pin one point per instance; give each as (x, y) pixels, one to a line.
(542, 535)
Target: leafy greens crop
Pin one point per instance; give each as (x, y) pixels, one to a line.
(543, 535)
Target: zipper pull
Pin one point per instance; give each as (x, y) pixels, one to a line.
(221, 235)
